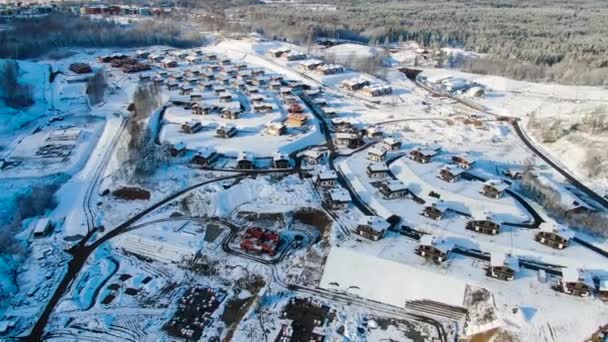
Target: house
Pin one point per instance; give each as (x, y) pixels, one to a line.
(192, 80)
(435, 211)
(257, 98)
(374, 133)
(376, 154)
(329, 69)
(377, 170)
(262, 107)
(278, 52)
(275, 85)
(142, 54)
(219, 91)
(225, 61)
(201, 109)
(484, 226)
(145, 77)
(193, 59)
(295, 108)
(172, 85)
(554, 236)
(225, 97)
(464, 161)
(391, 144)
(275, 128)
(211, 57)
(377, 90)
(393, 189)
(155, 58)
(185, 90)
(42, 228)
(422, 154)
(225, 131)
(177, 149)
(354, 84)
(293, 56)
(313, 157)
(346, 139)
(434, 249)
(326, 179)
(280, 161)
(494, 188)
(196, 97)
(296, 120)
(513, 174)
(245, 161)
(168, 63)
(372, 227)
(329, 112)
(204, 157)
(450, 173)
(191, 127)
(230, 114)
(344, 126)
(252, 89)
(575, 282)
(180, 101)
(285, 91)
(503, 266)
(311, 64)
(338, 198)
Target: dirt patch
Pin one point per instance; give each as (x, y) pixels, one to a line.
(314, 217)
(305, 314)
(131, 193)
(194, 313)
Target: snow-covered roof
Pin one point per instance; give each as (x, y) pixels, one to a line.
(502, 259)
(377, 151)
(313, 154)
(390, 141)
(245, 156)
(440, 243)
(339, 195)
(425, 151)
(376, 222)
(278, 156)
(453, 169)
(497, 184)
(167, 60)
(395, 185)
(311, 62)
(227, 127)
(557, 229)
(440, 205)
(206, 152)
(427, 240)
(327, 175)
(346, 135)
(354, 81)
(570, 274)
(41, 225)
(378, 167)
(467, 157)
(603, 286)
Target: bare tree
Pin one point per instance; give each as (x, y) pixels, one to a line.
(96, 87)
(14, 94)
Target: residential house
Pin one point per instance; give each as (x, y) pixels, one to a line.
(554, 236)
(326, 179)
(376, 154)
(245, 161)
(204, 157)
(484, 226)
(391, 144)
(450, 173)
(435, 211)
(226, 131)
(434, 249)
(338, 198)
(280, 161)
(347, 139)
(393, 189)
(575, 282)
(503, 266)
(464, 161)
(494, 188)
(377, 170)
(372, 227)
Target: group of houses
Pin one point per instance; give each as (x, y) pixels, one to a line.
(366, 87)
(125, 63)
(334, 195)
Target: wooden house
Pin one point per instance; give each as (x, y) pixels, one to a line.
(374, 133)
(193, 59)
(285, 91)
(204, 158)
(194, 97)
(393, 189)
(503, 266)
(464, 161)
(245, 161)
(225, 97)
(176, 149)
(344, 126)
(226, 131)
(575, 282)
(211, 57)
(494, 188)
(376, 154)
(377, 90)
(275, 128)
(422, 155)
(391, 144)
(484, 226)
(172, 85)
(313, 157)
(278, 52)
(280, 161)
(168, 63)
(329, 69)
(191, 127)
(434, 249)
(310, 65)
(230, 113)
(155, 58)
(185, 90)
(354, 84)
(326, 179)
(262, 107)
(377, 170)
(347, 139)
(296, 120)
(554, 236)
(329, 112)
(338, 199)
(372, 227)
(435, 211)
(450, 173)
